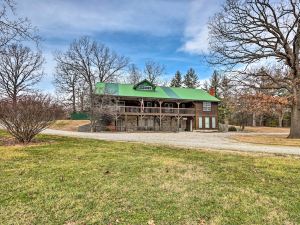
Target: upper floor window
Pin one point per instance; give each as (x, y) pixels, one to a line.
(206, 106)
(144, 87)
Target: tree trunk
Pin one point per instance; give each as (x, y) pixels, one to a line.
(280, 120)
(254, 120)
(92, 116)
(226, 121)
(73, 100)
(14, 98)
(81, 102)
(261, 118)
(295, 123)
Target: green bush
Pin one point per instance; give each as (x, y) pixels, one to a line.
(232, 129)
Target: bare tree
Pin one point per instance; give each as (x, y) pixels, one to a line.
(134, 74)
(247, 31)
(66, 80)
(82, 95)
(79, 58)
(92, 62)
(20, 69)
(153, 71)
(28, 116)
(12, 27)
(108, 64)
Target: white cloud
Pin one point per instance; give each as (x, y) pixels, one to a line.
(196, 30)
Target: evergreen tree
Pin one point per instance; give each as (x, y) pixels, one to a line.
(215, 82)
(177, 80)
(191, 79)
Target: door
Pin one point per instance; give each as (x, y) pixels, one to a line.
(200, 122)
(207, 123)
(213, 122)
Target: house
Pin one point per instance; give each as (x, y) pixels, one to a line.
(146, 107)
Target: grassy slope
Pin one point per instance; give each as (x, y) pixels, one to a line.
(68, 125)
(76, 181)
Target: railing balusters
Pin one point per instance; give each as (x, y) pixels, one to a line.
(154, 110)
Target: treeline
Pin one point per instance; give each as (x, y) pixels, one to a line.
(250, 100)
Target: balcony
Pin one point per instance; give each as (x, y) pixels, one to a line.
(137, 110)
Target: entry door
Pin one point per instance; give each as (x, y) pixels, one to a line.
(207, 123)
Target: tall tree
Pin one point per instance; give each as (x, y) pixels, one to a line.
(176, 80)
(20, 70)
(153, 71)
(12, 27)
(66, 81)
(109, 65)
(190, 80)
(134, 74)
(247, 31)
(92, 62)
(213, 82)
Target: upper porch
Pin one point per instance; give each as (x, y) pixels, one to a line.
(155, 108)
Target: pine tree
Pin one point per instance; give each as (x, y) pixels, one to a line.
(177, 80)
(215, 82)
(191, 79)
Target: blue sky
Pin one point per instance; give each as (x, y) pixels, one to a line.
(171, 32)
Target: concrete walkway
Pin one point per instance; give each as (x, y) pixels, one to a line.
(219, 141)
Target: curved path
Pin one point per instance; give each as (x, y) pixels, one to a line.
(218, 141)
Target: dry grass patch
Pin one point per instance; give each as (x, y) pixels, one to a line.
(268, 140)
(267, 129)
(68, 125)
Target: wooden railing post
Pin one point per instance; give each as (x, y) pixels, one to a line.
(178, 116)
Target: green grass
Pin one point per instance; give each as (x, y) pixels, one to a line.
(76, 181)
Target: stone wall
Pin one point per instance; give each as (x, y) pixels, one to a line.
(148, 123)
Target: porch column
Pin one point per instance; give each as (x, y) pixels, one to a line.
(125, 121)
(160, 114)
(178, 116)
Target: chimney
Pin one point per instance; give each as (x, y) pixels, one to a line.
(212, 91)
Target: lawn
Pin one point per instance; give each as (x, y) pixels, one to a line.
(75, 181)
(280, 140)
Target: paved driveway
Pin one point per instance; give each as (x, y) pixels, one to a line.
(220, 141)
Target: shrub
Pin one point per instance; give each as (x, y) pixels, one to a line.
(232, 129)
(28, 116)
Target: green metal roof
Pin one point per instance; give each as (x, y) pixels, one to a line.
(127, 90)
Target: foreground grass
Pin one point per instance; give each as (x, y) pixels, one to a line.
(76, 181)
(281, 140)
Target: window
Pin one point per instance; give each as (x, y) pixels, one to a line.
(213, 122)
(207, 123)
(121, 103)
(206, 106)
(200, 122)
(182, 105)
(149, 104)
(146, 122)
(145, 87)
(169, 105)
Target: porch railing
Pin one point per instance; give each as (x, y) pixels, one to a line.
(154, 110)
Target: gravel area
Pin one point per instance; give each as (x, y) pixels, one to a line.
(219, 141)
